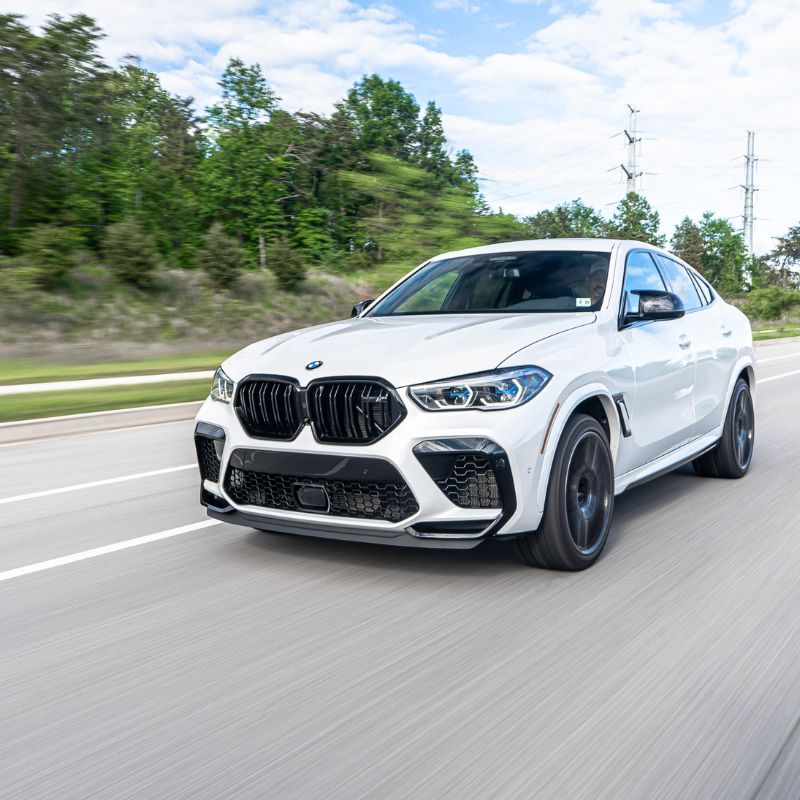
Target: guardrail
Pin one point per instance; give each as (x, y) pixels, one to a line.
(98, 383)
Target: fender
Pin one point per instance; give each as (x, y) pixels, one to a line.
(567, 406)
(745, 361)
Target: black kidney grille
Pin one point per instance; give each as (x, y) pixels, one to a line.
(268, 409)
(352, 411)
(384, 500)
(471, 483)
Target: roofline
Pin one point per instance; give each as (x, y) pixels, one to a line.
(566, 244)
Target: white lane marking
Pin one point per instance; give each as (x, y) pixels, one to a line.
(778, 377)
(97, 383)
(776, 358)
(101, 551)
(92, 484)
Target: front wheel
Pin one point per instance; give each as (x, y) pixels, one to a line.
(579, 503)
(732, 455)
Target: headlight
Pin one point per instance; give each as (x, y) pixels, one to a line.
(222, 387)
(485, 391)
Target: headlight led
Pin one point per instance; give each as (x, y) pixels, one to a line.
(484, 391)
(222, 387)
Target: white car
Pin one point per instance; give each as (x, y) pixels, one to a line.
(507, 392)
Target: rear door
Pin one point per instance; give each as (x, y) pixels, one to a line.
(713, 352)
(662, 409)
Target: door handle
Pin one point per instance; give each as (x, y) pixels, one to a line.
(725, 330)
(684, 341)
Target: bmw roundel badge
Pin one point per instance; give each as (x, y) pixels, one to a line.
(313, 365)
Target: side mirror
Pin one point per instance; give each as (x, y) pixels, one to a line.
(655, 306)
(360, 306)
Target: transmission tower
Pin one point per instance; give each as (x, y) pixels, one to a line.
(749, 191)
(631, 171)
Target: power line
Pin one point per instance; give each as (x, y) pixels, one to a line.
(550, 158)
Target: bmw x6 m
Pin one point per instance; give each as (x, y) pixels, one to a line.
(507, 392)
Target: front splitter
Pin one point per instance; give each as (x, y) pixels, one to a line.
(399, 538)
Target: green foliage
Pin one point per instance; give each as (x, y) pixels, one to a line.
(51, 252)
(568, 220)
(781, 267)
(220, 257)
(431, 145)
(312, 235)
(100, 160)
(130, 253)
(724, 257)
(404, 220)
(636, 219)
(17, 280)
(383, 116)
(687, 243)
(286, 263)
(772, 303)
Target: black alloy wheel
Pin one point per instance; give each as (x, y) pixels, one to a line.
(732, 455)
(580, 501)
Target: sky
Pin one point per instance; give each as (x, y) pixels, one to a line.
(537, 90)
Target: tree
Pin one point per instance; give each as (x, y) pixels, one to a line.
(403, 219)
(51, 88)
(50, 250)
(246, 174)
(383, 116)
(431, 147)
(155, 149)
(287, 264)
(687, 243)
(221, 257)
(567, 220)
(636, 219)
(781, 267)
(724, 257)
(130, 253)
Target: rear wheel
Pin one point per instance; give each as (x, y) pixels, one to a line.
(732, 455)
(580, 501)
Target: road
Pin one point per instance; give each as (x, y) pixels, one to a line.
(219, 662)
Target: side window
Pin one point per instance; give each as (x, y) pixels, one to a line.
(682, 285)
(640, 273)
(705, 289)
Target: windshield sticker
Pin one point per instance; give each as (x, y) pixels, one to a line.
(583, 302)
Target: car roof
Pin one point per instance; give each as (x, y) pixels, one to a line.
(590, 245)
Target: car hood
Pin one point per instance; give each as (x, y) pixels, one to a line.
(404, 349)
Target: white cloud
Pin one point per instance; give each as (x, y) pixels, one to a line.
(456, 5)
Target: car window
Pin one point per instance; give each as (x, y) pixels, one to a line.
(640, 273)
(680, 282)
(705, 289)
(521, 282)
(431, 296)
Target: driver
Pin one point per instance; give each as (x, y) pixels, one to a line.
(596, 282)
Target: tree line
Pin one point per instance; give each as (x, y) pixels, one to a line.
(102, 164)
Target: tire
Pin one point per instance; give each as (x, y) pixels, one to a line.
(579, 502)
(732, 455)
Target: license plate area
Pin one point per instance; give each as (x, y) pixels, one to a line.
(311, 497)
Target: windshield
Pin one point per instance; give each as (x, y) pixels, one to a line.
(525, 282)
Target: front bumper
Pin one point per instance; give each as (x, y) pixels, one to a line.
(415, 455)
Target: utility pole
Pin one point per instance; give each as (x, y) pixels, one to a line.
(749, 190)
(631, 171)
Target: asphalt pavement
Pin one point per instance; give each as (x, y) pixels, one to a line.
(146, 652)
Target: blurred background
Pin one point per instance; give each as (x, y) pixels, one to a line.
(141, 233)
